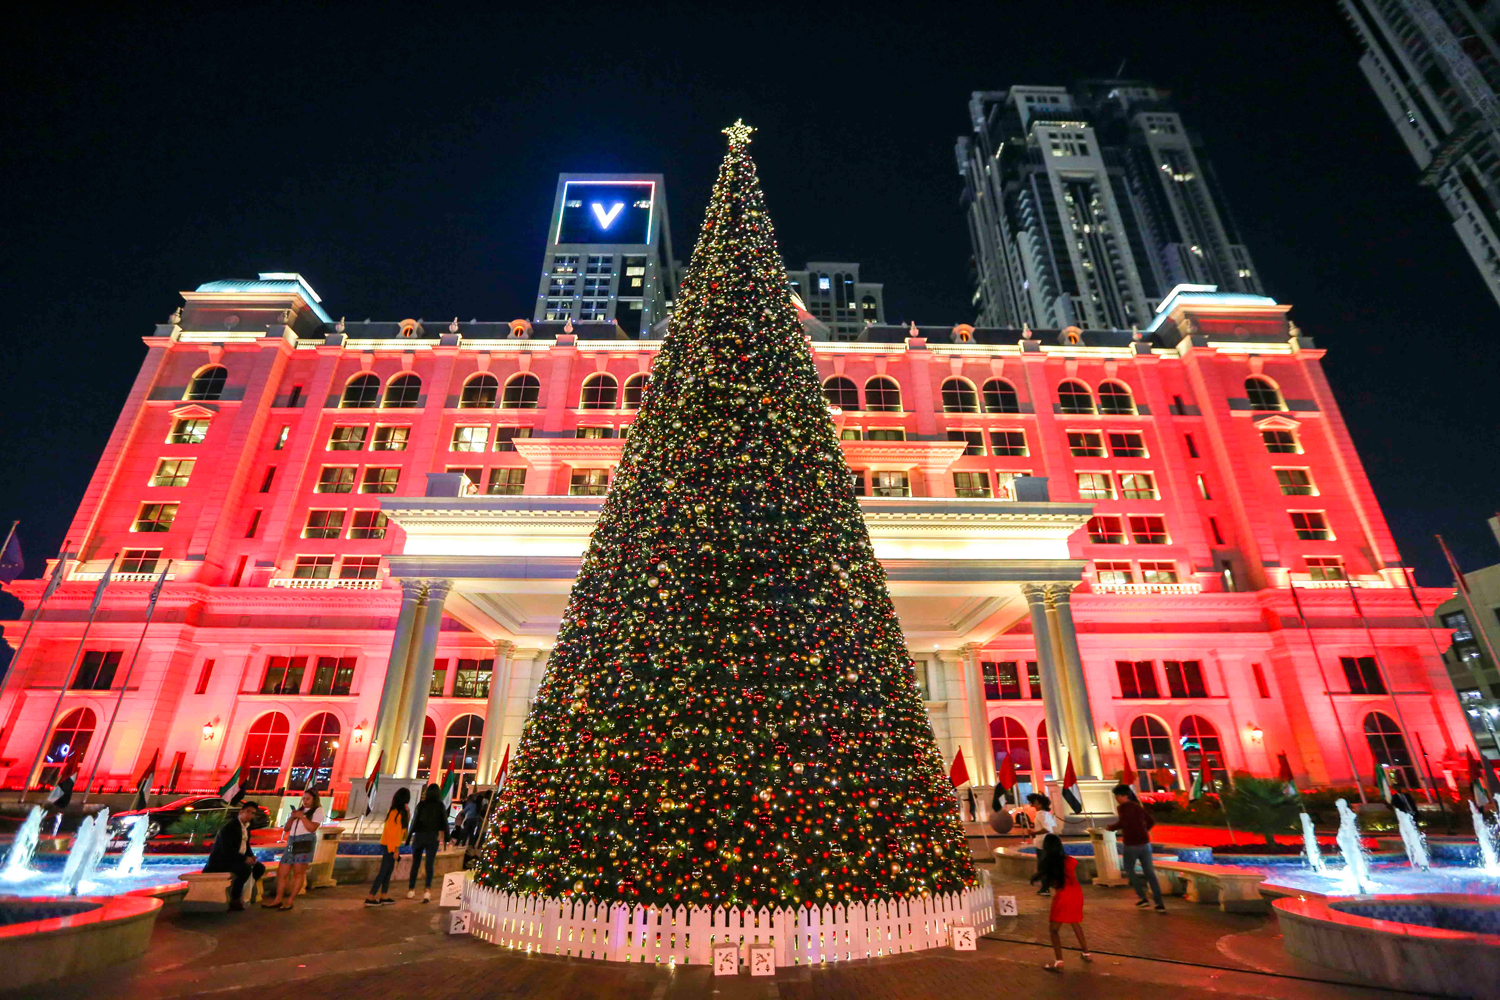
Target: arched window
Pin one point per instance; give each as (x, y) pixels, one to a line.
(1388, 747)
(1203, 751)
(403, 392)
(1075, 397)
(1151, 748)
(599, 392)
(1000, 397)
(1043, 750)
(480, 392)
(521, 392)
(265, 745)
(635, 390)
(1114, 397)
(1263, 395)
(424, 753)
(70, 741)
(841, 392)
(959, 397)
(883, 394)
(208, 384)
(461, 750)
(363, 391)
(312, 758)
(1008, 738)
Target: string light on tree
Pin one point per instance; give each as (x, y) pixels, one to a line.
(730, 715)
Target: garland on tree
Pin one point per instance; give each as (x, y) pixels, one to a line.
(730, 715)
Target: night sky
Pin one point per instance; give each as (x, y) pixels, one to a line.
(404, 160)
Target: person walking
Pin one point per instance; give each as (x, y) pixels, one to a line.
(397, 819)
(231, 853)
(1043, 823)
(429, 823)
(1134, 825)
(1058, 870)
(301, 837)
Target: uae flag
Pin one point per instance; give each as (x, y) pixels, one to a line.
(143, 784)
(1383, 780)
(1006, 779)
(231, 789)
(504, 766)
(1127, 774)
(1070, 787)
(959, 772)
(372, 783)
(450, 785)
(1476, 781)
(1196, 792)
(1284, 775)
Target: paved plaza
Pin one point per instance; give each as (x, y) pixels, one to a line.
(333, 947)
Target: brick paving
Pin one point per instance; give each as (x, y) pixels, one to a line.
(332, 948)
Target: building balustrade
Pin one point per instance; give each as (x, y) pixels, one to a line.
(1147, 588)
(297, 583)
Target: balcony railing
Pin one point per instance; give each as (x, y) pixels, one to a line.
(120, 577)
(1147, 588)
(306, 583)
(1307, 584)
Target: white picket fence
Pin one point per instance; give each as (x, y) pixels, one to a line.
(686, 935)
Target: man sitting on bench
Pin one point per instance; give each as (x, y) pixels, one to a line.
(231, 853)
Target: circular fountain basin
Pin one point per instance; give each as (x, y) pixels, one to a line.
(1434, 942)
(160, 876)
(1288, 880)
(48, 938)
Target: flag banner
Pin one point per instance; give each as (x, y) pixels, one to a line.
(12, 563)
(1070, 787)
(1196, 792)
(1007, 777)
(374, 772)
(59, 570)
(450, 785)
(143, 784)
(156, 590)
(504, 766)
(959, 772)
(1284, 775)
(230, 790)
(1383, 780)
(99, 590)
(1127, 774)
(372, 787)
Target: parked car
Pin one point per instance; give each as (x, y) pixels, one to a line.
(161, 818)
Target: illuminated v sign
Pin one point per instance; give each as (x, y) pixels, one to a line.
(605, 218)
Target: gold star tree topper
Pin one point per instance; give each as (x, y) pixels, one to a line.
(739, 133)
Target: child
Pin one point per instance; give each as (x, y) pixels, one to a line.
(1043, 823)
(1058, 870)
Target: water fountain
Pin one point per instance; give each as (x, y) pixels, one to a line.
(23, 847)
(89, 845)
(1488, 859)
(1416, 844)
(134, 857)
(1310, 848)
(1351, 846)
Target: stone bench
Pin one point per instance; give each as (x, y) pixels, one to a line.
(208, 892)
(1235, 890)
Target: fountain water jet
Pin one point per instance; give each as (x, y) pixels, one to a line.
(1310, 847)
(1416, 844)
(1356, 864)
(89, 845)
(23, 847)
(134, 857)
(1486, 837)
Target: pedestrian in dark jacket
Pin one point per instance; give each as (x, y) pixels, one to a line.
(1134, 825)
(232, 853)
(428, 823)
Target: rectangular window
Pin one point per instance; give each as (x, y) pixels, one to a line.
(269, 478)
(1158, 572)
(1086, 444)
(1295, 483)
(1034, 679)
(1213, 526)
(1362, 674)
(588, 482)
(439, 679)
(971, 484)
(1113, 572)
(973, 441)
(505, 435)
(359, 568)
(851, 434)
(1137, 679)
(1012, 443)
(204, 675)
(283, 675)
(886, 434)
(324, 524)
(1137, 486)
(1325, 568)
(348, 439)
(1127, 444)
(368, 524)
(139, 560)
(1185, 678)
(1178, 406)
(97, 671)
(919, 675)
(470, 439)
(295, 396)
(156, 517)
(506, 482)
(857, 481)
(1147, 530)
(254, 525)
(474, 476)
(891, 484)
(1095, 486)
(173, 471)
(593, 433)
(380, 480)
(282, 435)
(188, 432)
(335, 479)
(1106, 531)
(313, 568)
(473, 678)
(1311, 525)
(1203, 487)
(1259, 674)
(1192, 449)
(1281, 442)
(333, 675)
(390, 438)
(1007, 680)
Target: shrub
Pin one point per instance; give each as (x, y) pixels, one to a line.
(195, 826)
(1261, 805)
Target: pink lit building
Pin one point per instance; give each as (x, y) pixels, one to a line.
(372, 530)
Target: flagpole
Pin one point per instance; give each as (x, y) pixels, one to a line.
(1385, 675)
(58, 570)
(9, 535)
(62, 690)
(125, 684)
(1332, 707)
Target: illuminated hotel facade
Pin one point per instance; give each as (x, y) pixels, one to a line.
(373, 528)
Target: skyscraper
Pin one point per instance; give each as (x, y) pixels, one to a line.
(833, 293)
(609, 252)
(1435, 66)
(1086, 206)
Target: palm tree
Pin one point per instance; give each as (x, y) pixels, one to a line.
(1261, 805)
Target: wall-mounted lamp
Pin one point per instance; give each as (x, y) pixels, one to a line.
(1255, 733)
(1111, 735)
(359, 732)
(208, 728)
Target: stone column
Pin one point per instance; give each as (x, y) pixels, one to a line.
(386, 717)
(516, 694)
(1088, 759)
(492, 741)
(420, 677)
(982, 766)
(1046, 665)
(937, 683)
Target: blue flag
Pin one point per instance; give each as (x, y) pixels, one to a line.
(12, 563)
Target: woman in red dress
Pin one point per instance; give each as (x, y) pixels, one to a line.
(1060, 871)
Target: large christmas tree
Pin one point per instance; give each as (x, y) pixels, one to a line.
(730, 715)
